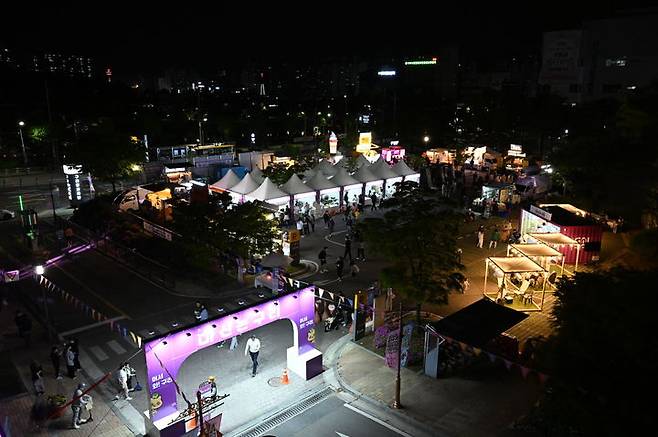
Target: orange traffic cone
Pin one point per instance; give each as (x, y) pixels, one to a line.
(284, 377)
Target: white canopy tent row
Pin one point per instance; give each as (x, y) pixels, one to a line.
(351, 188)
(540, 253)
(325, 167)
(257, 175)
(228, 181)
(519, 295)
(373, 184)
(245, 186)
(300, 193)
(270, 193)
(382, 170)
(329, 192)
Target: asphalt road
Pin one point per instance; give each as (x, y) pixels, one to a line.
(332, 417)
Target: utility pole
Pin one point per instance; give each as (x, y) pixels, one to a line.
(396, 403)
(20, 133)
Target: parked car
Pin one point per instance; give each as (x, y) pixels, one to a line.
(5, 214)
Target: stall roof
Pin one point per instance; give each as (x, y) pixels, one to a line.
(229, 180)
(536, 250)
(364, 174)
(325, 167)
(257, 175)
(246, 185)
(382, 170)
(308, 174)
(267, 191)
(402, 169)
(362, 161)
(554, 238)
(515, 264)
(342, 178)
(478, 323)
(296, 186)
(320, 182)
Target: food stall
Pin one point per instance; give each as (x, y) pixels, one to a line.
(373, 184)
(392, 154)
(440, 156)
(328, 192)
(482, 157)
(566, 220)
(383, 171)
(229, 180)
(300, 192)
(350, 187)
(245, 186)
(520, 282)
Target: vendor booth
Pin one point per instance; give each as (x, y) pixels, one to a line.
(270, 193)
(402, 169)
(557, 241)
(257, 175)
(325, 167)
(245, 186)
(558, 219)
(383, 171)
(350, 187)
(229, 180)
(520, 282)
(301, 193)
(373, 184)
(329, 192)
(549, 258)
(392, 154)
(440, 156)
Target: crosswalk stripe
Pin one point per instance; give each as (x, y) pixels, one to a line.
(98, 353)
(116, 347)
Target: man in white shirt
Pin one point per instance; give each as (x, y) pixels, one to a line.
(122, 378)
(253, 346)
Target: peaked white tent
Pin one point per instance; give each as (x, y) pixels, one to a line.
(402, 169)
(308, 174)
(325, 167)
(245, 186)
(257, 175)
(229, 180)
(373, 184)
(329, 191)
(362, 161)
(319, 182)
(300, 192)
(382, 170)
(352, 188)
(270, 193)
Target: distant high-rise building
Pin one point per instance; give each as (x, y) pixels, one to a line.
(70, 65)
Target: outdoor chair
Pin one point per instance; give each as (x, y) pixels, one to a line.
(551, 279)
(527, 297)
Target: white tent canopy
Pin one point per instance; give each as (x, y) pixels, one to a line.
(536, 250)
(363, 174)
(519, 264)
(402, 169)
(554, 238)
(362, 161)
(246, 185)
(229, 180)
(257, 175)
(308, 174)
(320, 182)
(325, 167)
(382, 170)
(267, 191)
(295, 186)
(343, 179)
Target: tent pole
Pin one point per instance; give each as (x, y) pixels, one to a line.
(562, 274)
(486, 275)
(543, 292)
(577, 256)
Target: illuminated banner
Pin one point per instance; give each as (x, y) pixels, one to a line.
(165, 355)
(333, 144)
(365, 140)
(432, 61)
(73, 187)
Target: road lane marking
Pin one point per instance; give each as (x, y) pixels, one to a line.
(374, 419)
(98, 353)
(116, 347)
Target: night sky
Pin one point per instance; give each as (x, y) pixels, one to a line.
(146, 37)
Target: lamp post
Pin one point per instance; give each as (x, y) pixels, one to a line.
(396, 403)
(201, 139)
(39, 270)
(20, 134)
(426, 139)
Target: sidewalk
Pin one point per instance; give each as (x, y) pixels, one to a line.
(449, 407)
(18, 407)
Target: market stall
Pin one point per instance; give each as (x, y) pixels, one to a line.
(229, 180)
(270, 193)
(373, 184)
(383, 171)
(350, 187)
(257, 175)
(402, 169)
(325, 167)
(541, 253)
(245, 186)
(519, 282)
(557, 241)
(301, 193)
(329, 192)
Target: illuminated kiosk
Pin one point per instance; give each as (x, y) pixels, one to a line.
(383, 171)
(165, 354)
(542, 254)
(519, 297)
(328, 192)
(245, 186)
(350, 187)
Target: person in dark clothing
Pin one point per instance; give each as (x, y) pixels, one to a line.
(76, 353)
(37, 377)
(322, 256)
(339, 268)
(56, 359)
(348, 247)
(373, 198)
(361, 251)
(311, 221)
(332, 223)
(325, 218)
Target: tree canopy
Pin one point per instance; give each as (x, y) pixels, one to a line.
(417, 234)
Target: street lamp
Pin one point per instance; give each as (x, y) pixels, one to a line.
(201, 139)
(39, 270)
(20, 134)
(426, 139)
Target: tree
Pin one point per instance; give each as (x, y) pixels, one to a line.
(417, 234)
(106, 153)
(601, 354)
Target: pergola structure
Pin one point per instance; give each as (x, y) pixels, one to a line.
(557, 240)
(538, 252)
(507, 292)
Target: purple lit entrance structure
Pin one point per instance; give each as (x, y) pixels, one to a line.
(166, 354)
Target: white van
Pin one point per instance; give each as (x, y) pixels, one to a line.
(130, 201)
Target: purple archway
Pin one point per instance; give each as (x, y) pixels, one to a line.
(166, 354)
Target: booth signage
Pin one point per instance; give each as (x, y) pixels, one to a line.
(158, 231)
(11, 275)
(541, 213)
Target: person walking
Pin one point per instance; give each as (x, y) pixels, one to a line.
(122, 379)
(234, 342)
(332, 223)
(76, 353)
(253, 347)
(339, 268)
(56, 359)
(373, 199)
(200, 312)
(325, 218)
(70, 362)
(480, 242)
(459, 255)
(37, 377)
(361, 251)
(300, 226)
(354, 269)
(348, 247)
(322, 256)
(311, 221)
(495, 236)
(76, 406)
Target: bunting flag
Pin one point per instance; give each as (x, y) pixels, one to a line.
(41, 279)
(524, 371)
(133, 336)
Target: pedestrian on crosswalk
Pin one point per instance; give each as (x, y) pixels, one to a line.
(122, 379)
